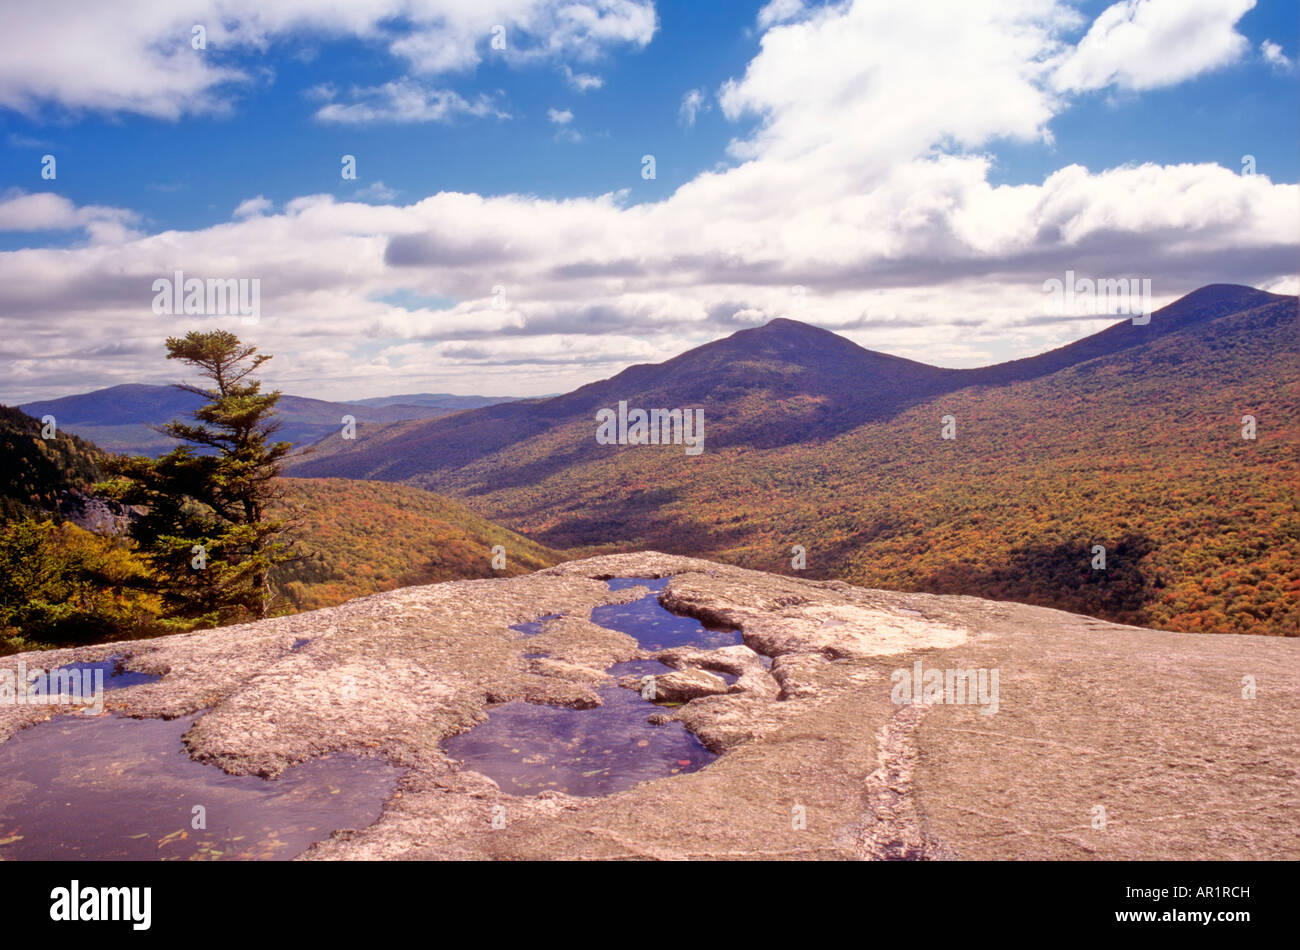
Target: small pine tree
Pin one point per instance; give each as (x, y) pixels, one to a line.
(205, 528)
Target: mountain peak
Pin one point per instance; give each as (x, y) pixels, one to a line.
(786, 326)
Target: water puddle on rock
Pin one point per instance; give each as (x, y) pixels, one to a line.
(115, 676)
(528, 748)
(654, 627)
(112, 788)
(531, 628)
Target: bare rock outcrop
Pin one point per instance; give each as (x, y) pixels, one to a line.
(1184, 743)
(684, 685)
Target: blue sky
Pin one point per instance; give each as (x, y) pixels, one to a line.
(945, 192)
(192, 173)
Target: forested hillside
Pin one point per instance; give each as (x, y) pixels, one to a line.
(1141, 452)
(368, 537)
(1131, 439)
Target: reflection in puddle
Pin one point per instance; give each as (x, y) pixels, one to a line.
(531, 628)
(654, 627)
(115, 677)
(656, 584)
(528, 748)
(112, 788)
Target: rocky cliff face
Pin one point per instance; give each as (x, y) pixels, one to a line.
(95, 514)
(1084, 739)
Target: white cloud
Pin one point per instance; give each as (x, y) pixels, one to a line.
(406, 100)
(1146, 44)
(879, 203)
(874, 88)
(376, 191)
(559, 116)
(136, 55)
(779, 11)
(253, 207)
(1274, 56)
(693, 103)
(581, 82)
(46, 211)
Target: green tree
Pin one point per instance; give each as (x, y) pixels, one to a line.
(205, 528)
(60, 584)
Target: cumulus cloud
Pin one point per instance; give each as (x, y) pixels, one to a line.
(581, 82)
(559, 116)
(779, 11)
(1146, 44)
(253, 207)
(1277, 59)
(46, 211)
(877, 88)
(881, 209)
(138, 56)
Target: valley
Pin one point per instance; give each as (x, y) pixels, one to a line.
(1131, 439)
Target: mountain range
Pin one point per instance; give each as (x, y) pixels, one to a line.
(123, 418)
(1130, 439)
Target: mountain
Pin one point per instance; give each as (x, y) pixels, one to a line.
(436, 400)
(1130, 439)
(779, 384)
(38, 474)
(1207, 303)
(119, 418)
(762, 387)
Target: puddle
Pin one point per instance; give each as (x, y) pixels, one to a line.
(531, 628)
(528, 748)
(656, 584)
(113, 788)
(301, 642)
(654, 627)
(115, 677)
(639, 668)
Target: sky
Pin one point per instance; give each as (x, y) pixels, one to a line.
(546, 191)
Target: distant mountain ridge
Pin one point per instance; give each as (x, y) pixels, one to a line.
(782, 383)
(1131, 439)
(119, 418)
(1206, 303)
(436, 400)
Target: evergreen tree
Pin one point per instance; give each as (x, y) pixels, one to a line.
(204, 528)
